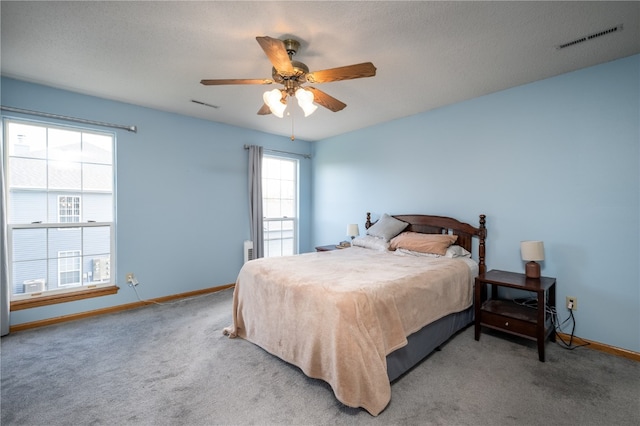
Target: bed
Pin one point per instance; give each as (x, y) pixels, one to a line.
(358, 318)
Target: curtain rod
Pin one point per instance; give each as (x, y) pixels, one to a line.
(133, 129)
(283, 152)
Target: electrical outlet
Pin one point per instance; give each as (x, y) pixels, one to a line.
(572, 303)
(131, 278)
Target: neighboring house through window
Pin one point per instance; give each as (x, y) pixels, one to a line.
(280, 208)
(60, 209)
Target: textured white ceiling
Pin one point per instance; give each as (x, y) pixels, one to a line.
(427, 54)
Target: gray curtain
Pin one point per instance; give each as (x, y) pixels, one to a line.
(255, 200)
(4, 266)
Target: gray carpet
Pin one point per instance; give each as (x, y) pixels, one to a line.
(171, 365)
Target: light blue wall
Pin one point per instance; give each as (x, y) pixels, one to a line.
(556, 160)
(182, 203)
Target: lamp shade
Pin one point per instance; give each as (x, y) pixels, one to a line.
(305, 100)
(273, 99)
(352, 230)
(532, 250)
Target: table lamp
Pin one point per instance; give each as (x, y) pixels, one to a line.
(353, 231)
(532, 252)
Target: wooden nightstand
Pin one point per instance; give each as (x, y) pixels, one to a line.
(330, 247)
(327, 248)
(510, 317)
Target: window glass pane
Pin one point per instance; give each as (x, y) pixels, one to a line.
(27, 207)
(273, 248)
(271, 168)
(26, 140)
(29, 276)
(288, 190)
(63, 239)
(97, 148)
(288, 225)
(97, 207)
(96, 241)
(271, 188)
(287, 169)
(287, 247)
(29, 260)
(27, 173)
(64, 145)
(288, 208)
(27, 244)
(97, 177)
(65, 175)
(272, 208)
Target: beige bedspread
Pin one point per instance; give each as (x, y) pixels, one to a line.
(336, 315)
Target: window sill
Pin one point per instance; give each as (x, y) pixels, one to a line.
(37, 301)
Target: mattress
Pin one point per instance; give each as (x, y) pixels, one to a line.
(338, 315)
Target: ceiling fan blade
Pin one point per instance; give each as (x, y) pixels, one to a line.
(265, 110)
(325, 100)
(365, 69)
(221, 82)
(276, 53)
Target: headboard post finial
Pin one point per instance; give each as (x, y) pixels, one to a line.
(367, 224)
(481, 245)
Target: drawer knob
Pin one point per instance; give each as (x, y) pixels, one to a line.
(506, 324)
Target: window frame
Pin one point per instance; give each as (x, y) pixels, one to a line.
(71, 291)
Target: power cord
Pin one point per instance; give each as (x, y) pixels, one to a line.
(568, 345)
(133, 286)
(551, 310)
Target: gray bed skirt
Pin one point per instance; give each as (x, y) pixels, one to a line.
(426, 340)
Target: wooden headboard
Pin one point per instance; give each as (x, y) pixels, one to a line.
(427, 224)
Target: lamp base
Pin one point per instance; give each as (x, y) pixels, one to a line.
(532, 270)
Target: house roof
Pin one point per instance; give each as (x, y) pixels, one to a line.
(427, 54)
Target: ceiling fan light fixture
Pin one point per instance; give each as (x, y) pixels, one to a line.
(274, 100)
(305, 100)
(292, 75)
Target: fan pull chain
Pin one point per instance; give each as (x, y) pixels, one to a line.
(293, 138)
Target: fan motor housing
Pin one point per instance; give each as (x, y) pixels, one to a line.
(299, 73)
(291, 46)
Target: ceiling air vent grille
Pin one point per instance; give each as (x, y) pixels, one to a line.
(204, 104)
(590, 37)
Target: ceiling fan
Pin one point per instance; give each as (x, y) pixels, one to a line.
(292, 75)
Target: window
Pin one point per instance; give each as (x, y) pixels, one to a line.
(280, 205)
(68, 209)
(69, 270)
(60, 208)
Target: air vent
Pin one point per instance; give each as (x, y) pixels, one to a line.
(617, 28)
(204, 104)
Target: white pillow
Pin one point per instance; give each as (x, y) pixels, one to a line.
(457, 251)
(387, 227)
(405, 252)
(371, 242)
(452, 252)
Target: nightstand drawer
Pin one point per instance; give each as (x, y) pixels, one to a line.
(512, 325)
